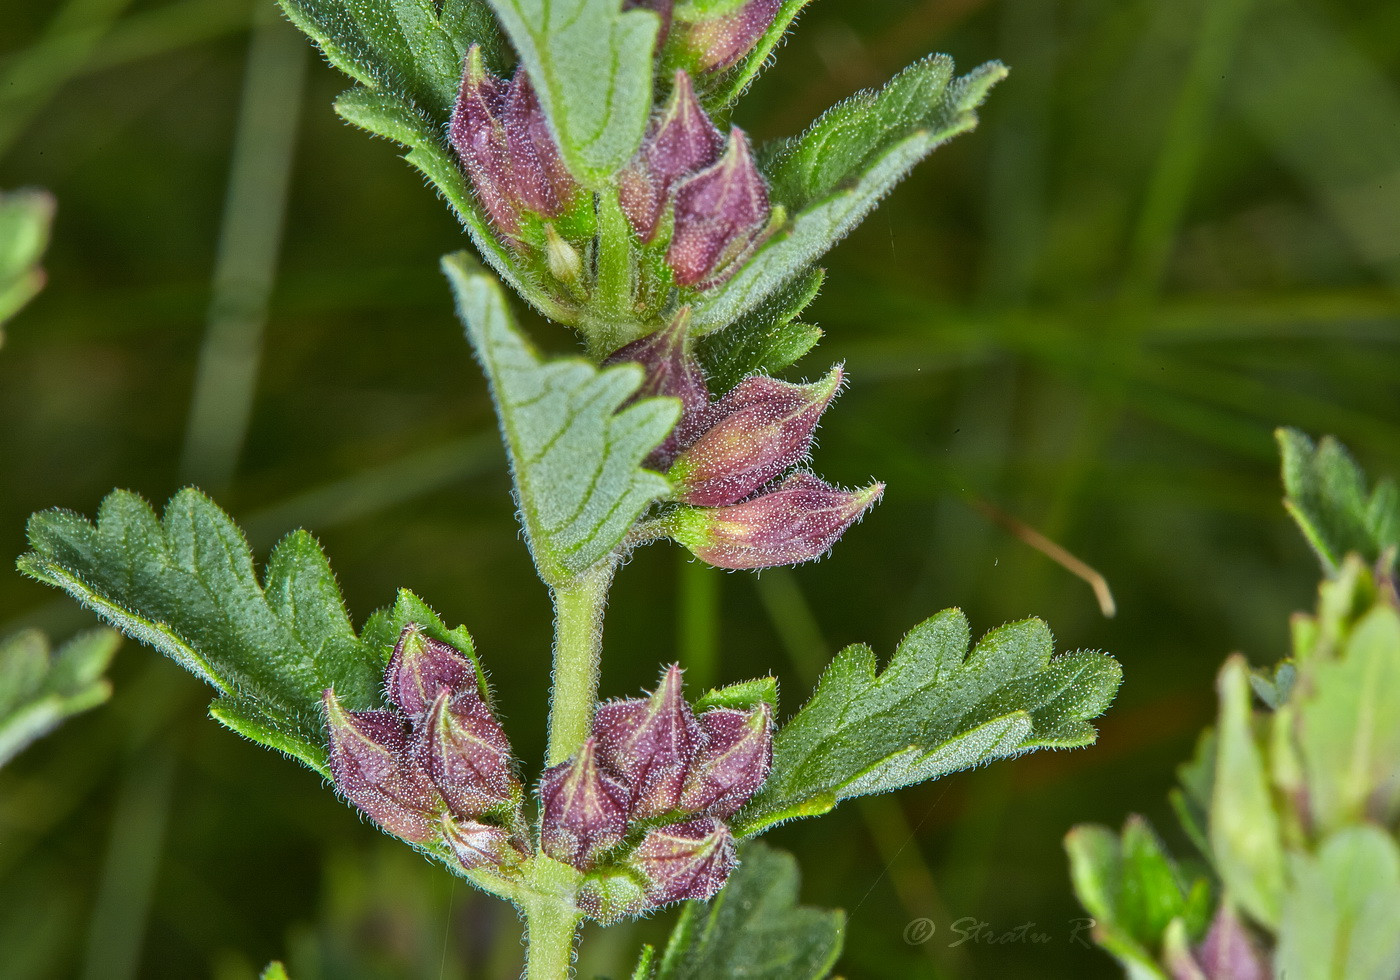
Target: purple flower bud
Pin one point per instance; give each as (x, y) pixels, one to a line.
(720, 213)
(797, 522)
(541, 181)
(718, 43)
(671, 370)
(420, 667)
(613, 895)
(585, 810)
(478, 845)
(648, 743)
(760, 429)
(466, 754)
(685, 860)
(733, 764)
(479, 136)
(370, 764)
(681, 141)
(1229, 953)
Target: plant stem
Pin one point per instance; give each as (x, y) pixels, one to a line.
(550, 928)
(578, 642)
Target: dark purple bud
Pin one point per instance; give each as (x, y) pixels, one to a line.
(369, 761)
(648, 743)
(541, 182)
(1229, 953)
(613, 895)
(685, 860)
(671, 370)
(420, 667)
(718, 43)
(719, 214)
(797, 522)
(737, 754)
(681, 141)
(585, 810)
(479, 136)
(465, 753)
(478, 845)
(760, 430)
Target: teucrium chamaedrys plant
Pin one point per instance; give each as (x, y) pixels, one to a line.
(1294, 801)
(585, 145)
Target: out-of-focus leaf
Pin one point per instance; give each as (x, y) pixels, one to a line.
(186, 585)
(575, 453)
(1328, 497)
(274, 971)
(1341, 919)
(1134, 891)
(1244, 827)
(934, 710)
(1348, 733)
(25, 220)
(831, 176)
(754, 928)
(591, 63)
(1191, 799)
(39, 688)
(766, 340)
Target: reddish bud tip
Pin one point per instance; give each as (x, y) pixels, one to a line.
(420, 667)
(478, 135)
(478, 845)
(685, 860)
(1229, 953)
(735, 760)
(649, 743)
(370, 764)
(797, 522)
(466, 754)
(719, 43)
(671, 370)
(761, 429)
(585, 811)
(720, 212)
(540, 180)
(681, 141)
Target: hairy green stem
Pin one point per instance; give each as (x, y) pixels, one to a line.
(578, 643)
(551, 926)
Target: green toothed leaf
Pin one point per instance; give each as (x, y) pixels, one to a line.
(186, 585)
(831, 176)
(591, 64)
(1327, 495)
(39, 689)
(754, 928)
(934, 710)
(575, 451)
(765, 340)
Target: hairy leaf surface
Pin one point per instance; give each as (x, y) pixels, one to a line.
(575, 452)
(186, 585)
(935, 709)
(831, 176)
(753, 928)
(591, 64)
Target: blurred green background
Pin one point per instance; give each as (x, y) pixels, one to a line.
(1178, 227)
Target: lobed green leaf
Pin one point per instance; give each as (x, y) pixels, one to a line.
(831, 176)
(1326, 494)
(753, 928)
(186, 585)
(39, 689)
(935, 709)
(591, 63)
(575, 451)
